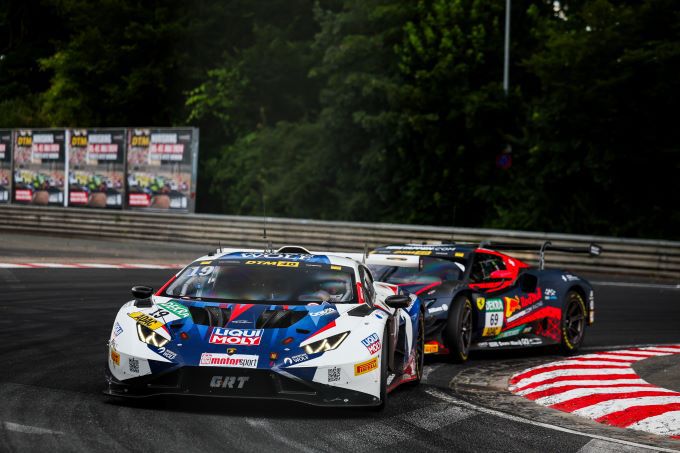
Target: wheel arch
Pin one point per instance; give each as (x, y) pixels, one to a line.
(581, 292)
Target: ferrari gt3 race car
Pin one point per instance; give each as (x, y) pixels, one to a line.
(476, 297)
(282, 325)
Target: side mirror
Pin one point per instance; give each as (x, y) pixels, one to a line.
(398, 301)
(142, 292)
(501, 275)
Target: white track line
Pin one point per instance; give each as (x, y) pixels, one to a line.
(444, 397)
(636, 285)
(27, 429)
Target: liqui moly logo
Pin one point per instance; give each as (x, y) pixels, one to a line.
(372, 343)
(241, 337)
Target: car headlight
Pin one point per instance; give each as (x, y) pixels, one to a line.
(150, 337)
(327, 344)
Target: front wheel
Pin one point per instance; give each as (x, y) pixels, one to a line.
(459, 329)
(573, 323)
(384, 372)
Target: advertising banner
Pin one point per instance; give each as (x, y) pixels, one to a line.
(5, 165)
(96, 168)
(161, 168)
(39, 167)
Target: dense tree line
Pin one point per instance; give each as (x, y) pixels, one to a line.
(378, 110)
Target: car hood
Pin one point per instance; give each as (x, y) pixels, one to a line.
(261, 335)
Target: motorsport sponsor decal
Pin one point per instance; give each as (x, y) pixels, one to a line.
(519, 342)
(413, 252)
(229, 382)
(133, 365)
(569, 278)
(550, 294)
(241, 337)
(115, 357)
(168, 354)
(421, 247)
(226, 360)
(514, 304)
(117, 330)
(333, 374)
(324, 312)
(493, 318)
(390, 378)
(275, 263)
(145, 320)
(366, 367)
(372, 343)
(295, 359)
(525, 312)
(480, 303)
(439, 309)
(176, 308)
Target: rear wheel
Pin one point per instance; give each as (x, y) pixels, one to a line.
(459, 328)
(573, 323)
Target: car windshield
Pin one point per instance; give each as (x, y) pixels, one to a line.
(265, 281)
(435, 270)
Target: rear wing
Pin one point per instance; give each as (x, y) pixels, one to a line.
(379, 259)
(592, 249)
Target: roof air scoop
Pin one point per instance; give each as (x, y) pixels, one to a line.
(293, 249)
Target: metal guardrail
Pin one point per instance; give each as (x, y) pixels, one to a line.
(643, 257)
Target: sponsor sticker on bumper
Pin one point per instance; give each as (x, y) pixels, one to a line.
(366, 367)
(226, 360)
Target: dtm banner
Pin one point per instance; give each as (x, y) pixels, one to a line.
(5, 165)
(161, 172)
(39, 166)
(96, 168)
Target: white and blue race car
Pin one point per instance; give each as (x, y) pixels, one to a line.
(289, 324)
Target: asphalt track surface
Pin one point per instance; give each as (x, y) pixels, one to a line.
(54, 324)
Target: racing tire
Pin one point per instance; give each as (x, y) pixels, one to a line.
(459, 329)
(420, 351)
(573, 325)
(384, 372)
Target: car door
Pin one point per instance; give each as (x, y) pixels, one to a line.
(401, 328)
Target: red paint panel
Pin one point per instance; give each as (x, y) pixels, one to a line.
(545, 312)
(238, 310)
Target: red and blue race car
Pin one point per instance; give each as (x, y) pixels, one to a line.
(479, 298)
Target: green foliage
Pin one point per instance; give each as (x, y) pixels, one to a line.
(378, 110)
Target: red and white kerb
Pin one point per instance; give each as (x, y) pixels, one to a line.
(604, 387)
